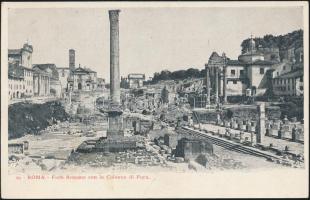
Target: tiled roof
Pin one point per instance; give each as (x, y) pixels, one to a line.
(45, 66)
(234, 62)
(214, 54)
(252, 53)
(80, 69)
(292, 74)
(63, 68)
(262, 62)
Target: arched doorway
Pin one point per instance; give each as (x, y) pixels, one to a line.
(80, 86)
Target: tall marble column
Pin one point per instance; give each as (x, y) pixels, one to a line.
(224, 78)
(115, 119)
(216, 85)
(208, 85)
(224, 85)
(37, 81)
(220, 78)
(114, 57)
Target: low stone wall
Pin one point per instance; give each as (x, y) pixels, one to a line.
(251, 113)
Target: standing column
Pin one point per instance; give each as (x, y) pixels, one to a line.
(208, 84)
(220, 74)
(37, 81)
(224, 79)
(115, 119)
(41, 84)
(49, 85)
(114, 56)
(45, 84)
(224, 85)
(216, 85)
(261, 129)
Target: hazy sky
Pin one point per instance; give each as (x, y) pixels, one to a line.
(151, 39)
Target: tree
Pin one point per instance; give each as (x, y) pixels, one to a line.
(282, 41)
(165, 95)
(191, 72)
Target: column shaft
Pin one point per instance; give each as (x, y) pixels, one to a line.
(216, 85)
(224, 85)
(114, 56)
(208, 84)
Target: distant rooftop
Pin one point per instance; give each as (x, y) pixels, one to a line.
(14, 51)
(292, 74)
(84, 70)
(136, 76)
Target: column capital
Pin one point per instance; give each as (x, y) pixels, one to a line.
(113, 15)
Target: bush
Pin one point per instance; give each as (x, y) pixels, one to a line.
(31, 118)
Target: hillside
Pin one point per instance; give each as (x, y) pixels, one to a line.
(178, 75)
(283, 42)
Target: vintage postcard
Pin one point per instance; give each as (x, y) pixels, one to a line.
(154, 99)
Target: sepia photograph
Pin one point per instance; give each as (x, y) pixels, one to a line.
(102, 100)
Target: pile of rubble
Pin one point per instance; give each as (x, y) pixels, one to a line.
(140, 157)
(22, 163)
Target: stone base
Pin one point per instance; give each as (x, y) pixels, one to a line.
(115, 134)
(112, 145)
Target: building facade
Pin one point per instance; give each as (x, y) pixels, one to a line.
(236, 79)
(135, 80)
(249, 75)
(83, 79)
(20, 73)
(256, 71)
(41, 82)
(64, 75)
(78, 79)
(47, 78)
(289, 84)
(100, 83)
(287, 78)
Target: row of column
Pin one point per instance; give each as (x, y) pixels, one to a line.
(41, 85)
(217, 85)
